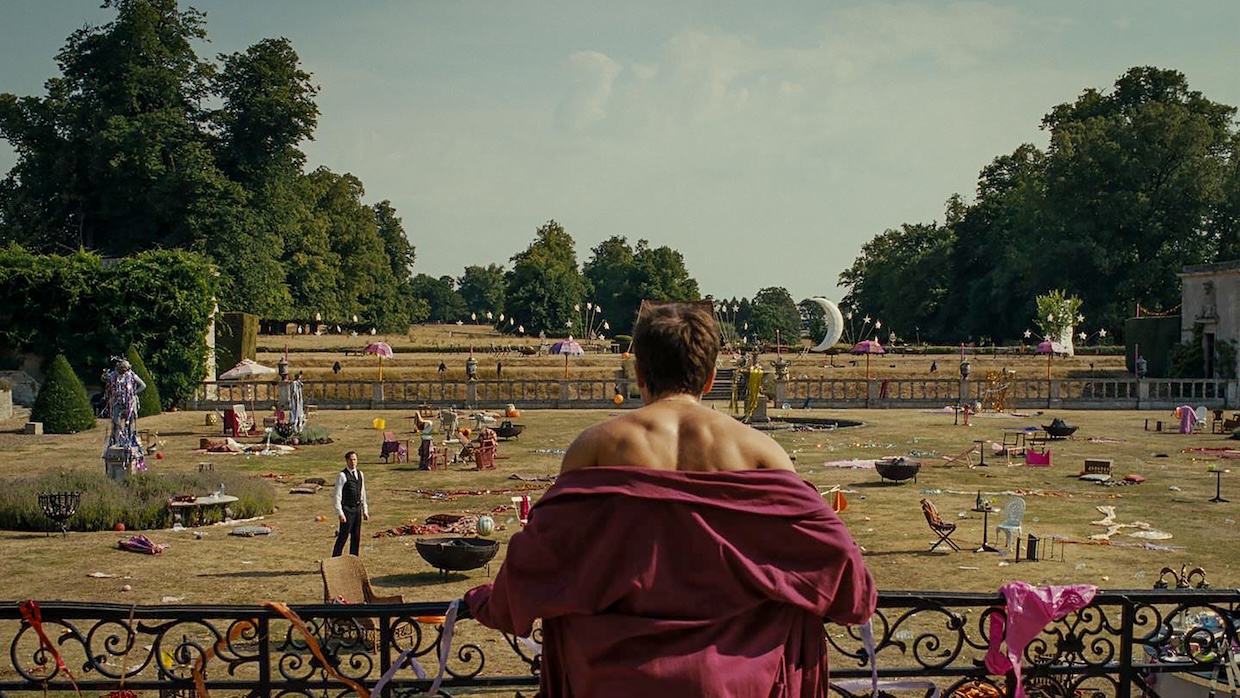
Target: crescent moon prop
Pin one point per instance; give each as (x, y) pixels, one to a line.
(834, 321)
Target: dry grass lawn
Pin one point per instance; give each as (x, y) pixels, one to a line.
(885, 518)
(208, 566)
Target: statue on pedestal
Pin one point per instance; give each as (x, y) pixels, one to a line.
(123, 452)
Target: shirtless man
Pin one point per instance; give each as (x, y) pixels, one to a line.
(676, 347)
(678, 552)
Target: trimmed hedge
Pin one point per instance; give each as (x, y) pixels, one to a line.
(148, 402)
(160, 300)
(140, 502)
(236, 338)
(62, 404)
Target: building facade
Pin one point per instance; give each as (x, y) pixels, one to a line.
(1211, 304)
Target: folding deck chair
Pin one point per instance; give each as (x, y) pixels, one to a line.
(943, 529)
(965, 457)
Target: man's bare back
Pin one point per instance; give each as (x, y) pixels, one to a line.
(676, 433)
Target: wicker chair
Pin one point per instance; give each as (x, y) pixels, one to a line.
(345, 581)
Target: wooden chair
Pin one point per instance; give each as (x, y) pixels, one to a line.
(943, 529)
(1230, 425)
(345, 581)
(484, 456)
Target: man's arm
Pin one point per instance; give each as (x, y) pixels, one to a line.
(339, 496)
(361, 485)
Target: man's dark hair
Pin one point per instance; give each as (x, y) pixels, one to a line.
(676, 346)
(349, 453)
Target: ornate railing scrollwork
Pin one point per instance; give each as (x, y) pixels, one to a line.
(1116, 646)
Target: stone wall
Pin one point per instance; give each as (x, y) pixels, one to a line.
(25, 388)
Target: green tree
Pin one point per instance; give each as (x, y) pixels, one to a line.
(773, 309)
(813, 319)
(62, 404)
(148, 402)
(138, 144)
(400, 252)
(544, 282)
(445, 304)
(268, 110)
(610, 271)
(1134, 175)
(363, 282)
(1057, 314)
(997, 259)
(903, 276)
(114, 158)
(623, 277)
(482, 289)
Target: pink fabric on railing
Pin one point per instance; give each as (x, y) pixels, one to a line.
(1029, 609)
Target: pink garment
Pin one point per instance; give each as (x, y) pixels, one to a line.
(653, 583)
(1187, 419)
(1029, 610)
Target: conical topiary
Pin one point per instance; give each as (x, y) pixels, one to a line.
(62, 404)
(149, 403)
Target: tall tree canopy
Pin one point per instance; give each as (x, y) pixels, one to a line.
(482, 289)
(121, 155)
(544, 282)
(623, 277)
(1137, 181)
(773, 309)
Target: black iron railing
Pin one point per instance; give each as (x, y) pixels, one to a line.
(1118, 646)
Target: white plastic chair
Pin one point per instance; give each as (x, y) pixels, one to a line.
(1013, 515)
(1199, 422)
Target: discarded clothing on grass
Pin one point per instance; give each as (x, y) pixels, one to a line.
(1218, 452)
(436, 524)
(855, 463)
(453, 495)
(141, 544)
(532, 478)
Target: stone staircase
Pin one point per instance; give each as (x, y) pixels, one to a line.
(722, 389)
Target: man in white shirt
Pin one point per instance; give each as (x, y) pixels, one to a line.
(351, 506)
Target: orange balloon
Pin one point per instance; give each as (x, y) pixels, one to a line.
(618, 399)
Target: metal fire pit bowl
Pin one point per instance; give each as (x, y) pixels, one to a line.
(456, 554)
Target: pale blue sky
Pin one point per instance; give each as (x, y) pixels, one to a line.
(765, 141)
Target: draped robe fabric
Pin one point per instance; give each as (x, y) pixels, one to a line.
(654, 583)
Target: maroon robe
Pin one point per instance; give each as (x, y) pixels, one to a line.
(653, 583)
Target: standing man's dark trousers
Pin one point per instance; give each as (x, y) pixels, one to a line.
(351, 530)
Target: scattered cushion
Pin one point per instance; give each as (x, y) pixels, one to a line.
(306, 488)
(1134, 478)
(1095, 477)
